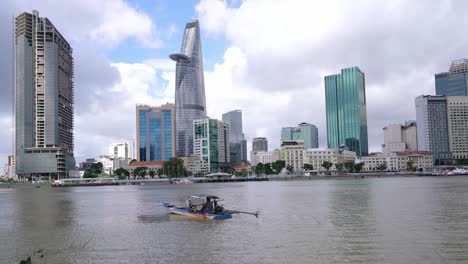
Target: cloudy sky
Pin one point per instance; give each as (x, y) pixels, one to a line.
(265, 57)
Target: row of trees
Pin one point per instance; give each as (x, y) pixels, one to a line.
(171, 168)
(94, 171)
(270, 168)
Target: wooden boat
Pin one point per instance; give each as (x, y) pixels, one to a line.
(204, 207)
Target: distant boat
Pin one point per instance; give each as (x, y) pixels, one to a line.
(204, 207)
(457, 172)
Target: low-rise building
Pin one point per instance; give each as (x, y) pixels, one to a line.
(264, 157)
(293, 152)
(397, 161)
(316, 157)
(10, 169)
(153, 165)
(107, 164)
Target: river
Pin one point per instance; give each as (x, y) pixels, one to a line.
(372, 220)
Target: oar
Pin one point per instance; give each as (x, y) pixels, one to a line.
(241, 212)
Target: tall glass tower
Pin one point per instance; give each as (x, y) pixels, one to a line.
(345, 96)
(190, 88)
(455, 81)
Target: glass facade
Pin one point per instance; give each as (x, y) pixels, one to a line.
(155, 133)
(455, 81)
(345, 96)
(432, 132)
(190, 88)
(238, 145)
(305, 131)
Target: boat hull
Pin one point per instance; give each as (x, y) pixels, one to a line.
(201, 216)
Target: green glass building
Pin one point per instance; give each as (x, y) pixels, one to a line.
(345, 96)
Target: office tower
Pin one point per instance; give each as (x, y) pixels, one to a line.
(44, 99)
(259, 144)
(455, 81)
(345, 95)
(155, 132)
(190, 88)
(457, 117)
(433, 134)
(125, 150)
(238, 144)
(399, 138)
(211, 143)
(305, 131)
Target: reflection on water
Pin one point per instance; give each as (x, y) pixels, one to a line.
(397, 220)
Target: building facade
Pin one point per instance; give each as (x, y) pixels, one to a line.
(316, 157)
(433, 132)
(10, 169)
(457, 118)
(397, 161)
(293, 153)
(125, 150)
(259, 144)
(399, 138)
(190, 88)
(455, 81)
(264, 157)
(345, 96)
(304, 131)
(238, 144)
(155, 128)
(211, 143)
(44, 99)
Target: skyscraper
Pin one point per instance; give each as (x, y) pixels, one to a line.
(44, 99)
(345, 95)
(259, 144)
(190, 88)
(211, 143)
(155, 132)
(433, 134)
(457, 117)
(305, 131)
(238, 144)
(455, 81)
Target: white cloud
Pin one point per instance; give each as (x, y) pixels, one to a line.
(287, 47)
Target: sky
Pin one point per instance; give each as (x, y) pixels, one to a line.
(265, 57)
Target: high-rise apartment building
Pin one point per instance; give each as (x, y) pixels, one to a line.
(211, 143)
(44, 99)
(155, 128)
(125, 150)
(259, 144)
(399, 138)
(457, 118)
(345, 95)
(433, 134)
(305, 131)
(190, 88)
(455, 81)
(238, 144)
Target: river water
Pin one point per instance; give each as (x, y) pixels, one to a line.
(372, 220)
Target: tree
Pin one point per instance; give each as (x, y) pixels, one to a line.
(175, 168)
(140, 171)
(160, 172)
(358, 166)
(259, 169)
(349, 166)
(409, 166)
(290, 169)
(152, 173)
(462, 162)
(89, 174)
(382, 166)
(267, 169)
(327, 165)
(278, 166)
(121, 173)
(96, 168)
(339, 166)
(308, 166)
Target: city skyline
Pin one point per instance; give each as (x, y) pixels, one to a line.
(139, 78)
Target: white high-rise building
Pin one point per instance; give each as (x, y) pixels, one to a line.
(399, 138)
(124, 150)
